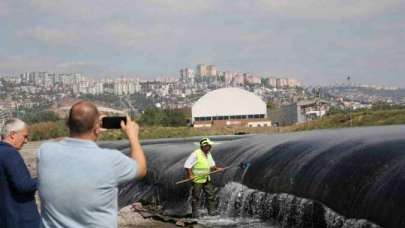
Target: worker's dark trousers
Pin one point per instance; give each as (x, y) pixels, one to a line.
(210, 191)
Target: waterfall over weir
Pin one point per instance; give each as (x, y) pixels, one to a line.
(328, 178)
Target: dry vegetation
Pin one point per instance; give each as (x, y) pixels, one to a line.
(49, 130)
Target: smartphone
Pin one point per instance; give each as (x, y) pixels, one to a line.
(113, 122)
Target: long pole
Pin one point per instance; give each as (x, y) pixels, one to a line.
(190, 179)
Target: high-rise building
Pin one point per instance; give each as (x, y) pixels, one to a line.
(228, 77)
(24, 78)
(138, 87)
(108, 87)
(282, 83)
(53, 78)
(238, 79)
(82, 88)
(77, 77)
(212, 71)
(253, 79)
(187, 75)
(37, 78)
(292, 83)
(118, 88)
(99, 88)
(131, 88)
(272, 82)
(122, 87)
(5, 114)
(202, 70)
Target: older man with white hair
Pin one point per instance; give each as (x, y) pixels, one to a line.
(17, 187)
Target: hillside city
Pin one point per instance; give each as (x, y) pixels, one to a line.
(35, 91)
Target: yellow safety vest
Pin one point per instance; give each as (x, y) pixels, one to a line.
(202, 168)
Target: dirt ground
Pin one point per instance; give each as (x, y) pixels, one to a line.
(126, 219)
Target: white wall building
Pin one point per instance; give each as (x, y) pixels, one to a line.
(230, 106)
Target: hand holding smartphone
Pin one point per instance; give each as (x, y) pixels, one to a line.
(113, 122)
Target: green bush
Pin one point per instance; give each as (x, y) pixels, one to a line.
(35, 116)
(47, 130)
(159, 117)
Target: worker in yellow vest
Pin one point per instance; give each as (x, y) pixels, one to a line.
(198, 165)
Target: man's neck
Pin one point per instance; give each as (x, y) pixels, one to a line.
(89, 137)
(6, 140)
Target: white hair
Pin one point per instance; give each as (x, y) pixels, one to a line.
(12, 125)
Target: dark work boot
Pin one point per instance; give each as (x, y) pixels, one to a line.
(195, 213)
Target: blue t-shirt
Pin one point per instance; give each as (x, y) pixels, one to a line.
(78, 183)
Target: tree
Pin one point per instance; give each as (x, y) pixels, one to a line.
(174, 118)
(151, 117)
(159, 117)
(33, 116)
(270, 105)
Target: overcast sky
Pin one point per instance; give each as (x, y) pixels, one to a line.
(315, 41)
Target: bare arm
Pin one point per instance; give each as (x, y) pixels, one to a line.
(190, 174)
(131, 129)
(216, 168)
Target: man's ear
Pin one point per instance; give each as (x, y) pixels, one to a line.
(97, 129)
(12, 135)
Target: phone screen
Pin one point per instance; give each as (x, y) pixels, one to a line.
(112, 122)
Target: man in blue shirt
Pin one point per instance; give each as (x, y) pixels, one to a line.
(17, 188)
(78, 181)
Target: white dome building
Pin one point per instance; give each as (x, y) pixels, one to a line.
(230, 106)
